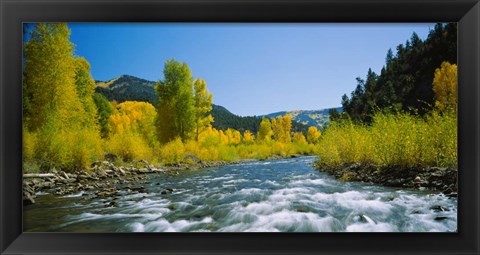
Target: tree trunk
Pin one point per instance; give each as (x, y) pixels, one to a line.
(38, 175)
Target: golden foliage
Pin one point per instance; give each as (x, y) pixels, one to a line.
(248, 137)
(281, 127)
(134, 117)
(445, 87)
(265, 131)
(203, 105)
(130, 146)
(175, 107)
(313, 134)
(58, 107)
(392, 139)
(172, 152)
(298, 137)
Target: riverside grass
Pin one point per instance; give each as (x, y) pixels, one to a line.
(130, 147)
(400, 139)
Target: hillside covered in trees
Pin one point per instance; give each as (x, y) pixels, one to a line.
(405, 82)
(318, 118)
(403, 117)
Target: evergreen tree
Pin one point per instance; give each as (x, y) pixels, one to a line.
(405, 82)
(104, 110)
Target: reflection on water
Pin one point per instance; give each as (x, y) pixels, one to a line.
(277, 195)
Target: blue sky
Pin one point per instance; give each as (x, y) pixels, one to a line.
(251, 69)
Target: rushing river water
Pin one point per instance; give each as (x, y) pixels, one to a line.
(276, 195)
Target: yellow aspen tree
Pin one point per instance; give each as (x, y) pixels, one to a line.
(223, 137)
(134, 117)
(57, 100)
(175, 108)
(277, 128)
(248, 137)
(49, 73)
(229, 135)
(445, 87)
(236, 137)
(85, 87)
(313, 134)
(265, 130)
(287, 128)
(298, 137)
(203, 105)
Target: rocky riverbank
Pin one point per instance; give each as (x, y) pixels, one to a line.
(434, 178)
(103, 180)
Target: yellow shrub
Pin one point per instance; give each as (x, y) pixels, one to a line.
(393, 139)
(280, 148)
(227, 153)
(86, 149)
(67, 150)
(172, 152)
(130, 146)
(29, 145)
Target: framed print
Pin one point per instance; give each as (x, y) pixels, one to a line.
(239, 127)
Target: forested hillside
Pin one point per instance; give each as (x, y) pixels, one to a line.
(127, 88)
(406, 115)
(405, 82)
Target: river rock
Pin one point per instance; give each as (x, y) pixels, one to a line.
(438, 208)
(140, 189)
(112, 204)
(452, 194)
(120, 169)
(107, 193)
(166, 191)
(142, 171)
(28, 199)
(102, 173)
(83, 177)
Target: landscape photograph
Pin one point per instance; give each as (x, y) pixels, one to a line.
(239, 127)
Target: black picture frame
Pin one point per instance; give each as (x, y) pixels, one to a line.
(14, 12)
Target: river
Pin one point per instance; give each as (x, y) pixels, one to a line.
(266, 196)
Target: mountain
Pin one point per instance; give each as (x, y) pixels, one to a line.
(127, 88)
(131, 88)
(318, 118)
